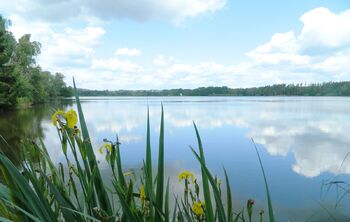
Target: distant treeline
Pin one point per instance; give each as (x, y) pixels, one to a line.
(317, 89)
(22, 82)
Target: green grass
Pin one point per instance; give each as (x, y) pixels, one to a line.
(37, 190)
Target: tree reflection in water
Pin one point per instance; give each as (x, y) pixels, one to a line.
(25, 125)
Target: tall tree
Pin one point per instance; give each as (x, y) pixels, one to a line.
(21, 79)
(7, 78)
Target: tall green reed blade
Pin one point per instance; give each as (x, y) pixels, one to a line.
(238, 216)
(206, 190)
(148, 155)
(30, 199)
(83, 215)
(99, 187)
(174, 213)
(14, 206)
(166, 204)
(220, 208)
(3, 219)
(128, 213)
(269, 204)
(160, 175)
(229, 198)
(148, 167)
(63, 201)
(121, 177)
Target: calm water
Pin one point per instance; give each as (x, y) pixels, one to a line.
(302, 142)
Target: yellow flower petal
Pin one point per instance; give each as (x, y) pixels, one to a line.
(71, 117)
(185, 175)
(100, 150)
(142, 194)
(56, 115)
(198, 208)
(106, 146)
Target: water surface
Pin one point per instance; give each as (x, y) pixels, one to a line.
(302, 142)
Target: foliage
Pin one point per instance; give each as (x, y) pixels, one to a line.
(21, 80)
(40, 191)
(316, 89)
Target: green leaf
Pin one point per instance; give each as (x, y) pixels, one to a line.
(148, 167)
(68, 216)
(174, 213)
(269, 204)
(166, 204)
(121, 177)
(229, 197)
(208, 205)
(98, 183)
(218, 201)
(39, 209)
(3, 219)
(85, 216)
(125, 206)
(160, 176)
(29, 215)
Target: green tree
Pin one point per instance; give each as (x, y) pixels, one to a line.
(7, 79)
(21, 79)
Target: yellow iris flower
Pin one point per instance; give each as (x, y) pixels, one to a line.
(56, 115)
(185, 175)
(71, 117)
(198, 208)
(142, 194)
(106, 146)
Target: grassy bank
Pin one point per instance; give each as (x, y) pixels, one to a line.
(38, 190)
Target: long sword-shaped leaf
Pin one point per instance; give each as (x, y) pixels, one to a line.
(174, 213)
(84, 215)
(99, 187)
(160, 176)
(148, 168)
(121, 177)
(218, 201)
(148, 156)
(206, 191)
(31, 199)
(269, 204)
(229, 198)
(166, 204)
(68, 216)
(14, 206)
(3, 219)
(129, 214)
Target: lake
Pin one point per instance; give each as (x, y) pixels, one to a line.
(303, 143)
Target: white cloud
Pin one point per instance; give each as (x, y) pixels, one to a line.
(320, 51)
(324, 29)
(128, 52)
(288, 57)
(58, 11)
(162, 60)
(115, 64)
(62, 47)
(283, 47)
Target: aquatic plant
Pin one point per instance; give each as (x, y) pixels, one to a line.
(37, 190)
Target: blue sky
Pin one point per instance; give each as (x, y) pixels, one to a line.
(149, 44)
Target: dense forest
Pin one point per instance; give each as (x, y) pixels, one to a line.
(22, 81)
(319, 89)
